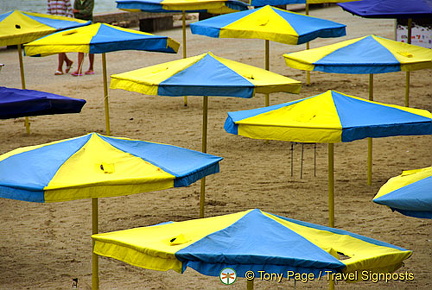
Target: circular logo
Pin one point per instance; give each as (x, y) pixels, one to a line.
(228, 276)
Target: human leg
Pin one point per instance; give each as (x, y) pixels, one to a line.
(78, 72)
(90, 71)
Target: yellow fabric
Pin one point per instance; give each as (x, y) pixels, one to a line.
(265, 81)
(212, 6)
(304, 59)
(155, 247)
(312, 120)
(74, 40)
(100, 170)
(411, 57)
(146, 80)
(362, 255)
(29, 29)
(258, 25)
(328, 1)
(406, 178)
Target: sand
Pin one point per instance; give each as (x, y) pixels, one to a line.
(45, 246)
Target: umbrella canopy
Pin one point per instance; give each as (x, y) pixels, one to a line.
(269, 23)
(389, 8)
(18, 27)
(365, 55)
(16, 103)
(409, 193)
(283, 2)
(329, 118)
(203, 75)
(94, 166)
(211, 6)
(251, 240)
(100, 38)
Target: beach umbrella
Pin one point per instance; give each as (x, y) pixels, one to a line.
(203, 75)
(268, 23)
(100, 38)
(182, 6)
(409, 193)
(94, 166)
(249, 242)
(284, 2)
(330, 117)
(15, 103)
(19, 27)
(364, 55)
(408, 9)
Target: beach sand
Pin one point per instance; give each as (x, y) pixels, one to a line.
(45, 246)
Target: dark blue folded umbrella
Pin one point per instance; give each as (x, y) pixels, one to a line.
(16, 103)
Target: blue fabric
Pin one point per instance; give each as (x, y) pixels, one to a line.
(207, 77)
(361, 119)
(414, 199)
(157, 6)
(44, 163)
(188, 166)
(389, 8)
(16, 103)
(111, 39)
(243, 247)
(4, 15)
(363, 56)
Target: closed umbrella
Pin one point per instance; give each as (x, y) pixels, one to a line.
(19, 27)
(330, 117)
(94, 166)
(100, 38)
(409, 193)
(249, 242)
(203, 75)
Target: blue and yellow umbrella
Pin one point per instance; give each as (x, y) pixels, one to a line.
(18, 27)
(409, 193)
(94, 166)
(249, 242)
(364, 55)
(330, 117)
(100, 38)
(271, 24)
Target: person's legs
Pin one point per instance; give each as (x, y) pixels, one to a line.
(78, 72)
(60, 64)
(90, 71)
(68, 62)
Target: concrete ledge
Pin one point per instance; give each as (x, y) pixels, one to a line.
(158, 21)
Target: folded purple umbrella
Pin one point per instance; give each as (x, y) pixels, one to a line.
(16, 103)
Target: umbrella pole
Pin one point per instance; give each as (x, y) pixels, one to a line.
(369, 160)
(106, 101)
(307, 46)
(407, 74)
(204, 150)
(331, 183)
(23, 84)
(267, 67)
(249, 284)
(95, 230)
(185, 101)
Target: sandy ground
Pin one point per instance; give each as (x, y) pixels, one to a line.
(45, 246)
